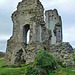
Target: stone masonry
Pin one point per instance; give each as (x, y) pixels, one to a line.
(29, 16)
(54, 23)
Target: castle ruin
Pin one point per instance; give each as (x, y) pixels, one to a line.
(29, 17)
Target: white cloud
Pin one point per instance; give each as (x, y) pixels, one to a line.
(61, 5)
(2, 51)
(9, 5)
(51, 3)
(2, 45)
(2, 2)
(69, 35)
(4, 37)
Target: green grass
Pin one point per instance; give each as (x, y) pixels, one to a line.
(66, 71)
(8, 70)
(11, 71)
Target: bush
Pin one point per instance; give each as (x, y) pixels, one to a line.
(43, 64)
(45, 60)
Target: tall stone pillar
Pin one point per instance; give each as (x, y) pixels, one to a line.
(54, 23)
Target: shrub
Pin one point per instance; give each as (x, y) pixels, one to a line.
(45, 60)
(43, 64)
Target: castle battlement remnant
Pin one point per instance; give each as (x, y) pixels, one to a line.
(54, 23)
(31, 33)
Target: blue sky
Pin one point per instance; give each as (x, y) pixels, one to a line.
(66, 9)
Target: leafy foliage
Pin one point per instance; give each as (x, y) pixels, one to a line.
(45, 60)
(43, 64)
(30, 71)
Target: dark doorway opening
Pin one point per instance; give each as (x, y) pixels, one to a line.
(19, 57)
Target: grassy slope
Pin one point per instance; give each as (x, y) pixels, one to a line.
(20, 71)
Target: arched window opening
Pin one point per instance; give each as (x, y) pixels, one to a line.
(26, 33)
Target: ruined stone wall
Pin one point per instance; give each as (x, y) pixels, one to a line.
(28, 12)
(52, 19)
(28, 16)
(63, 52)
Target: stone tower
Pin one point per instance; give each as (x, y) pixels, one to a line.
(54, 23)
